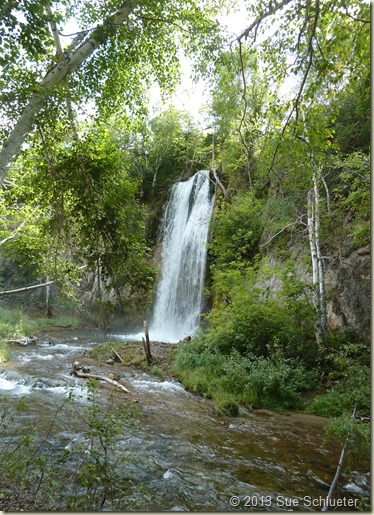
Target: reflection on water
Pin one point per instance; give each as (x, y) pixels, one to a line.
(184, 455)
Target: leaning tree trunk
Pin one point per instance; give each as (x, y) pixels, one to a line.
(318, 269)
(71, 62)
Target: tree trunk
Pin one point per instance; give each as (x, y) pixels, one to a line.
(318, 269)
(47, 298)
(54, 77)
(55, 35)
(340, 466)
(215, 171)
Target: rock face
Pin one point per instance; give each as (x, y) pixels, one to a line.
(348, 287)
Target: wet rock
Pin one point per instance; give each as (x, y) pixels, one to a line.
(358, 484)
(48, 342)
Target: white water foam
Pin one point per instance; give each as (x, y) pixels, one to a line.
(158, 386)
(16, 388)
(34, 356)
(62, 346)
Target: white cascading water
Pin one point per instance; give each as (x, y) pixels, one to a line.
(185, 231)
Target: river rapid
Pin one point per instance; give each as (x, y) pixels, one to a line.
(181, 454)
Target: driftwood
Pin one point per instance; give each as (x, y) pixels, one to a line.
(80, 371)
(117, 355)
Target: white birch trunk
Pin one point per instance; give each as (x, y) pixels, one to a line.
(318, 271)
(321, 264)
(64, 68)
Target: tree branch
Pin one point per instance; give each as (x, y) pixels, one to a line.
(279, 232)
(264, 15)
(340, 465)
(360, 20)
(14, 234)
(56, 37)
(296, 101)
(55, 76)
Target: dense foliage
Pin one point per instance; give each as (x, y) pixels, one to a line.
(71, 205)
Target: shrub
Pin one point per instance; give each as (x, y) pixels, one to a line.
(248, 319)
(232, 379)
(353, 387)
(13, 323)
(353, 432)
(237, 230)
(10, 322)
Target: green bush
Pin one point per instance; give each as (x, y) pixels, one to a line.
(255, 322)
(231, 379)
(256, 328)
(347, 372)
(237, 230)
(353, 432)
(352, 388)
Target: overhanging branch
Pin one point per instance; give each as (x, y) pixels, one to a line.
(55, 76)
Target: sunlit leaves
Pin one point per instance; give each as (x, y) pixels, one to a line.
(117, 76)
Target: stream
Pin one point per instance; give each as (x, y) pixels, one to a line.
(184, 455)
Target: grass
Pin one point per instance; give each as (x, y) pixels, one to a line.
(15, 324)
(43, 323)
(4, 352)
(133, 355)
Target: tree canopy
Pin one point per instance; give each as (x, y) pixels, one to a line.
(119, 49)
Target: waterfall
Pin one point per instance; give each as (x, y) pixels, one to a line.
(184, 230)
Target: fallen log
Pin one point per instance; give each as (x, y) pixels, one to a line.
(79, 372)
(25, 340)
